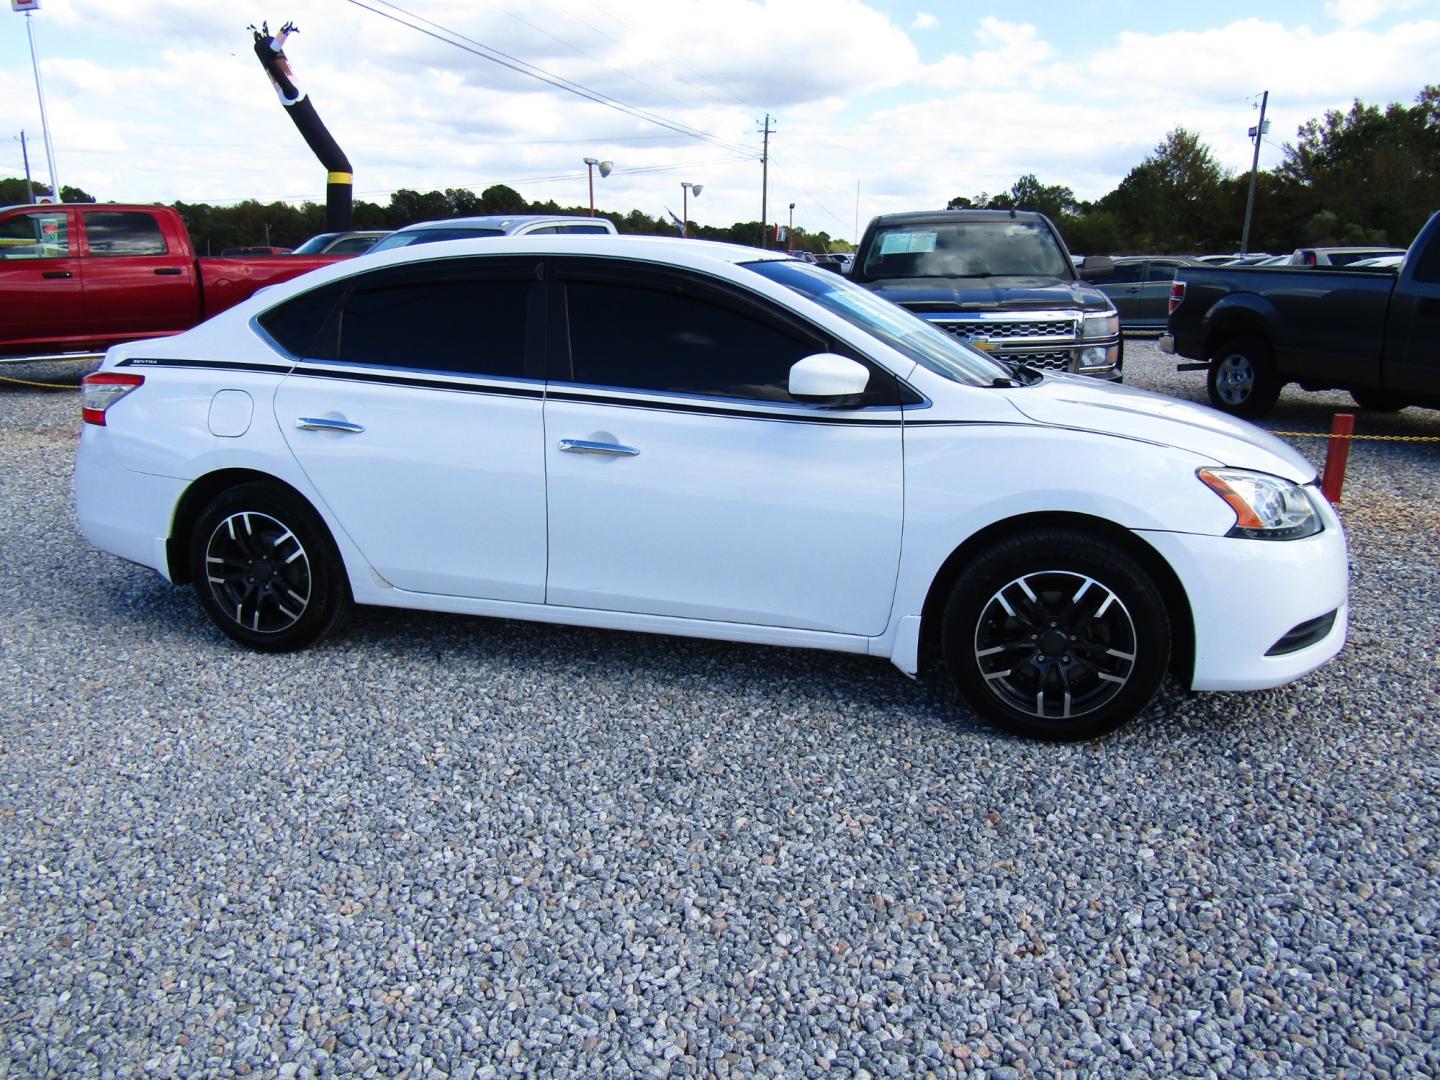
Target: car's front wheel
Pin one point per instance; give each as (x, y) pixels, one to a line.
(1056, 634)
(266, 570)
(1243, 380)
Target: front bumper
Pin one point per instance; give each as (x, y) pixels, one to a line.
(1247, 595)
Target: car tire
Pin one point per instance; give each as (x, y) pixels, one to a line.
(1242, 380)
(266, 569)
(1377, 401)
(1056, 634)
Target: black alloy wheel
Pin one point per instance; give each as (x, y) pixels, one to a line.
(266, 570)
(1056, 634)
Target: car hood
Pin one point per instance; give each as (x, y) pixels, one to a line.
(1074, 401)
(990, 294)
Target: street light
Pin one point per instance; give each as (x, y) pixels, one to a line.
(28, 9)
(605, 167)
(790, 231)
(685, 206)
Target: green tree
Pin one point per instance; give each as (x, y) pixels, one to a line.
(1375, 171)
(1173, 200)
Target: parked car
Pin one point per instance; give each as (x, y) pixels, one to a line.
(706, 440)
(1252, 259)
(1255, 329)
(1338, 256)
(256, 249)
(1139, 288)
(999, 280)
(470, 228)
(84, 276)
(354, 242)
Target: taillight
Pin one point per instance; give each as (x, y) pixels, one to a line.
(103, 389)
(1177, 293)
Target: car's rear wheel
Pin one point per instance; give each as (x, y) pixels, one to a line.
(1056, 634)
(1242, 380)
(266, 569)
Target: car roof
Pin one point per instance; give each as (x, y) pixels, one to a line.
(937, 217)
(497, 221)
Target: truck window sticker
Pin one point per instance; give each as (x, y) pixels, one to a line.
(902, 243)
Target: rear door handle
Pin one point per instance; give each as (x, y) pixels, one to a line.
(585, 446)
(324, 423)
(56, 274)
(168, 271)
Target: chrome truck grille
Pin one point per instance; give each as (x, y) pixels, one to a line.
(1043, 339)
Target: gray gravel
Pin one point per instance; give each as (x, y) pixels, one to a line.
(479, 848)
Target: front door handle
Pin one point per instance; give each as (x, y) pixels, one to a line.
(168, 271)
(324, 423)
(585, 446)
(56, 274)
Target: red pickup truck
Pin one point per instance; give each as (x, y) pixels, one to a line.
(82, 277)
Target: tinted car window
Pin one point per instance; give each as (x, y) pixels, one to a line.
(117, 232)
(41, 235)
(352, 245)
(1124, 273)
(581, 229)
(1162, 271)
(473, 326)
(296, 324)
(648, 339)
(1427, 268)
(433, 236)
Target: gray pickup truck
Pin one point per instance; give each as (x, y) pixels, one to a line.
(1000, 280)
(1374, 333)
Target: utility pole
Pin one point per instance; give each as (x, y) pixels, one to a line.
(29, 11)
(765, 186)
(1257, 133)
(25, 155)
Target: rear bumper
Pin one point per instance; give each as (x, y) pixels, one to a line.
(121, 511)
(1247, 595)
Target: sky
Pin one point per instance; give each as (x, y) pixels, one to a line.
(876, 106)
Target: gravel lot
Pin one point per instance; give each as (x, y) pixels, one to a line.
(440, 845)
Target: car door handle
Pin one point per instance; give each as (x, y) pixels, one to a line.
(323, 423)
(168, 271)
(56, 274)
(584, 446)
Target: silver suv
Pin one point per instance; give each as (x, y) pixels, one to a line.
(466, 228)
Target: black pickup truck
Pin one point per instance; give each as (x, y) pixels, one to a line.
(1375, 333)
(1000, 280)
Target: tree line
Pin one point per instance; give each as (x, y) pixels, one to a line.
(1367, 176)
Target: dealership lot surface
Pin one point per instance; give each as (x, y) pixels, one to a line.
(474, 847)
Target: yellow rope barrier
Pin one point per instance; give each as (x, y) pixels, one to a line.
(1365, 438)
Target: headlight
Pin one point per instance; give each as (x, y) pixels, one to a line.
(1100, 324)
(1266, 507)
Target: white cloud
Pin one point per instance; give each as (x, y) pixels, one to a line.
(1008, 53)
(1351, 13)
(924, 21)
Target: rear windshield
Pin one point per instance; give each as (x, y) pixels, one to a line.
(433, 236)
(906, 333)
(950, 249)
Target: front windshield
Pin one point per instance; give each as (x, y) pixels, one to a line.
(952, 249)
(433, 236)
(315, 244)
(907, 334)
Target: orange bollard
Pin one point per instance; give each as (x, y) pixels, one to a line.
(1337, 455)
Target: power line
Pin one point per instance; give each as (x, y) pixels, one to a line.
(559, 82)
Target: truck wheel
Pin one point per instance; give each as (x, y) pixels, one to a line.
(1242, 380)
(1377, 401)
(1056, 634)
(266, 570)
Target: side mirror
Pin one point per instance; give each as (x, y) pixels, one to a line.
(1095, 265)
(827, 379)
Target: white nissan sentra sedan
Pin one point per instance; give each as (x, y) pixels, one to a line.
(692, 438)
